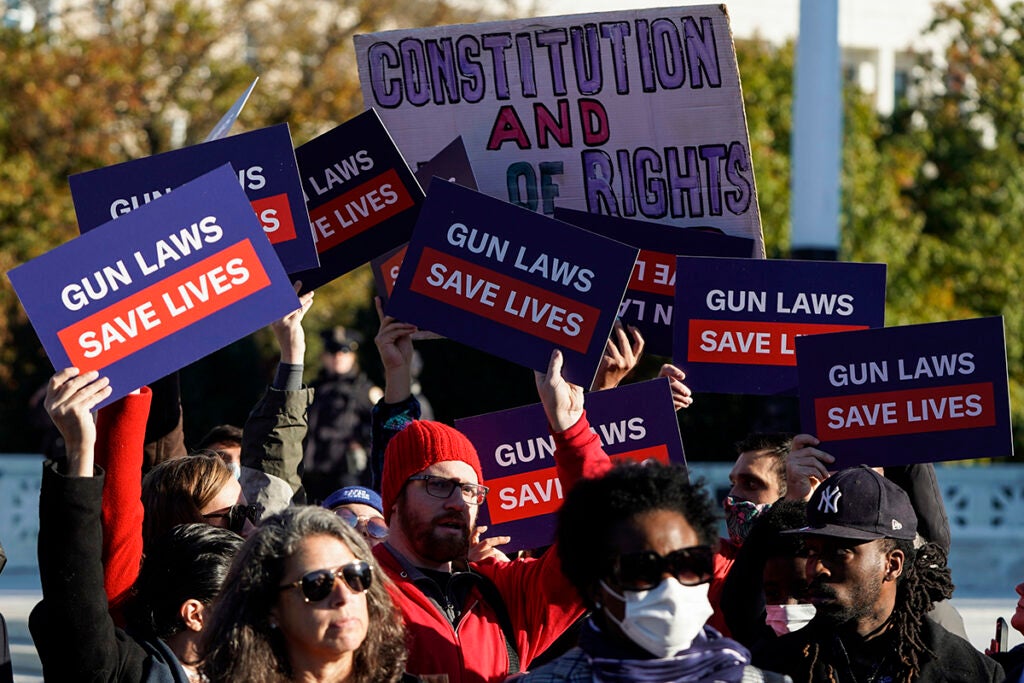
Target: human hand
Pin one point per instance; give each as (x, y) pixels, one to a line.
(621, 354)
(806, 467)
(394, 344)
(682, 397)
(563, 402)
(70, 398)
(291, 338)
(481, 549)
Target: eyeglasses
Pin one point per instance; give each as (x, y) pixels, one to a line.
(439, 487)
(643, 571)
(376, 527)
(317, 585)
(237, 514)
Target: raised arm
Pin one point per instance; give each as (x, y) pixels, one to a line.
(273, 433)
(120, 445)
(398, 406)
(578, 451)
(72, 628)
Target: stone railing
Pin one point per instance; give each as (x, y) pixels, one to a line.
(985, 505)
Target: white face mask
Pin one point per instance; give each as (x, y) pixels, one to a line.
(664, 619)
(236, 469)
(788, 618)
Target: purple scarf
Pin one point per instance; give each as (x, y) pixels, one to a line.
(711, 657)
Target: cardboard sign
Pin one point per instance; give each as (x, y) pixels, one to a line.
(635, 422)
(900, 395)
(160, 287)
(265, 165)
(223, 126)
(635, 113)
(451, 164)
(737, 320)
(362, 198)
(652, 287)
(511, 282)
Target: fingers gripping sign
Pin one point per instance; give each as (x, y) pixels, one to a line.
(563, 402)
(70, 398)
(806, 467)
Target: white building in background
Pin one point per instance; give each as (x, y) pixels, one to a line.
(880, 39)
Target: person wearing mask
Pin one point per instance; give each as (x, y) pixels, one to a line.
(872, 590)
(637, 544)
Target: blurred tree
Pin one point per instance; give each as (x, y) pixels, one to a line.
(109, 81)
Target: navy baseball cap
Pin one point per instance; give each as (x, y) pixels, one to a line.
(859, 504)
(354, 494)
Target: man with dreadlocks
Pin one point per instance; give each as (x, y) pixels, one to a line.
(872, 591)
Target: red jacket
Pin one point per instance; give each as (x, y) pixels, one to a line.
(539, 600)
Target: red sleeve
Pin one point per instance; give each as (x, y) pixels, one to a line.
(542, 603)
(578, 454)
(120, 438)
(724, 559)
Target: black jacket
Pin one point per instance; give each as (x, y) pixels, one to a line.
(817, 653)
(72, 628)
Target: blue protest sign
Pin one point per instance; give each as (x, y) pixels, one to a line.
(362, 198)
(450, 164)
(160, 287)
(265, 165)
(737, 319)
(635, 422)
(223, 127)
(652, 287)
(511, 282)
(900, 395)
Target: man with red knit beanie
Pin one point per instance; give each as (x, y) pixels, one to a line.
(494, 619)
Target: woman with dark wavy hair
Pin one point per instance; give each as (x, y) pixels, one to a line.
(304, 601)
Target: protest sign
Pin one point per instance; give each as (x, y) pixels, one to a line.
(142, 296)
(900, 395)
(652, 287)
(635, 422)
(362, 198)
(265, 166)
(223, 127)
(511, 282)
(737, 319)
(451, 164)
(634, 113)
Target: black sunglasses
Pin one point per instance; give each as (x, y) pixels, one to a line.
(440, 487)
(237, 514)
(376, 527)
(318, 584)
(645, 570)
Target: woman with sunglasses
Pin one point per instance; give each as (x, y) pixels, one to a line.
(304, 601)
(637, 545)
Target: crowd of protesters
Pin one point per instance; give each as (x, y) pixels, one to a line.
(220, 565)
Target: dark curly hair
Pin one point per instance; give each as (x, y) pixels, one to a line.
(595, 506)
(239, 643)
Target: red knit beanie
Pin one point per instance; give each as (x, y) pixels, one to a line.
(416, 448)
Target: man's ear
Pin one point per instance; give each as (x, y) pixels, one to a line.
(193, 613)
(894, 560)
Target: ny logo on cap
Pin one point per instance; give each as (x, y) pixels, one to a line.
(830, 500)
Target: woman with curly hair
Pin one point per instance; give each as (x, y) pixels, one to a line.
(304, 601)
